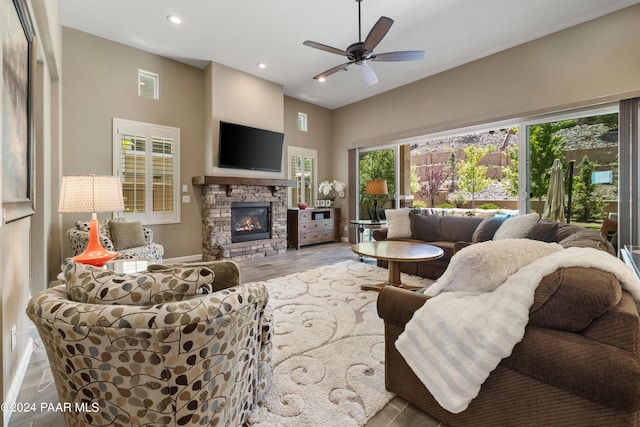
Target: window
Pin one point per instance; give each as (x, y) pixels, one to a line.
(302, 169)
(146, 157)
(148, 84)
(302, 122)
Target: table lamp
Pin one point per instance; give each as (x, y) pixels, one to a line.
(91, 193)
(375, 188)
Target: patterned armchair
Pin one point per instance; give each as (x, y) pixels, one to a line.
(78, 237)
(169, 346)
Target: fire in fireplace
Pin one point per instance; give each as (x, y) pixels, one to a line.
(250, 221)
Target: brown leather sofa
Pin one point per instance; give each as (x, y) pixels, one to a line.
(577, 365)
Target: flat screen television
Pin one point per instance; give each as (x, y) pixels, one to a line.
(244, 147)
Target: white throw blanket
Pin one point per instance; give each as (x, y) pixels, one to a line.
(456, 339)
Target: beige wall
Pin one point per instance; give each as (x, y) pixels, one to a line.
(584, 65)
(24, 243)
(237, 97)
(318, 135)
(100, 83)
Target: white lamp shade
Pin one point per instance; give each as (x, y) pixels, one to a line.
(90, 193)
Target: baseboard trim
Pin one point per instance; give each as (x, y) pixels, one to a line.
(14, 390)
(188, 258)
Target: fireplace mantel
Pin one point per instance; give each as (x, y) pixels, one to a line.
(228, 181)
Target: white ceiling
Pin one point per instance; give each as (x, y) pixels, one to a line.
(241, 33)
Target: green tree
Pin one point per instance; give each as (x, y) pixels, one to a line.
(452, 167)
(587, 206)
(472, 176)
(544, 147)
(378, 164)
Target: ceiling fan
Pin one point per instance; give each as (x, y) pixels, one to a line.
(361, 53)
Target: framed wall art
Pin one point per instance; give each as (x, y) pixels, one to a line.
(18, 71)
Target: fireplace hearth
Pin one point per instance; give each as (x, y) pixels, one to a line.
(250, 221)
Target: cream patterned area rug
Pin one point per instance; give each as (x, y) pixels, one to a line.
(328, 348)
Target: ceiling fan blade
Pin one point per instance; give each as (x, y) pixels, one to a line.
(368, 73)
(377, 33)
(333, 70)
(324, 47)
(407, 55)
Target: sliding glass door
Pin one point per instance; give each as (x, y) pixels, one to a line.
(378, 165)
(584, 146)
(598, 149)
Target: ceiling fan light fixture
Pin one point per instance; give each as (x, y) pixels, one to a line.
(174, 19)
(361, 52)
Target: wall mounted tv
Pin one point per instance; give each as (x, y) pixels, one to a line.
(243, 147)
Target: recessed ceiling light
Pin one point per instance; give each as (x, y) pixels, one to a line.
(174, 19)
(261, 65)
(321, 79)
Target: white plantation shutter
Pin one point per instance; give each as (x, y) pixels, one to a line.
(146, 157)
(302, 166)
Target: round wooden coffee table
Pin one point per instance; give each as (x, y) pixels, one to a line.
(396, 252)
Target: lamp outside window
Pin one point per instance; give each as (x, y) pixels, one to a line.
(91, 193)
(375, 188)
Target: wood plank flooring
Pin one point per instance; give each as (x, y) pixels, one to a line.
(38, 386)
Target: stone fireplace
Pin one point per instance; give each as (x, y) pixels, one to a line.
(234, 212)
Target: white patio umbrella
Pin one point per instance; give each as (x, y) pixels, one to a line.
(554, 205)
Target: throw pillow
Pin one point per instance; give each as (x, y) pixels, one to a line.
(516, 227)
(425, 227)
(398, 223)
(487, 229)
(95, 285)
(227, 272)
(545, 231)
(126, 235)
(485, 266)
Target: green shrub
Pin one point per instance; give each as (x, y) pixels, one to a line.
(419, 204)
(457, 199)
(445, 206)
(488, 206)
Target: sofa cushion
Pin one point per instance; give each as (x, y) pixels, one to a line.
(545, 231)
(126, 235)
(619, 327)
(398, 223)
(569, 299)
(485, 266)
(95, 285)
(516, 227)
(425, 227)
(459, 228)
(487, 229)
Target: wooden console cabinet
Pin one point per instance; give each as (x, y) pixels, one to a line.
(310, 226)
